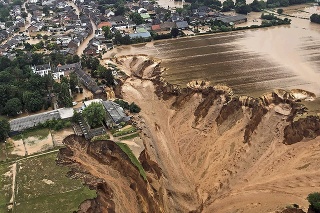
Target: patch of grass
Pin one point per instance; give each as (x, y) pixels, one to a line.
(128, 137)
(6, 187)
(36, 195)
(40, 133)
(57, 203)
(133, 159)
(124, 131)
(100, 138)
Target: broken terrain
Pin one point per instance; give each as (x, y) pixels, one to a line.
(206, 150)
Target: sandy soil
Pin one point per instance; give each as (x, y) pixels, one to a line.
(136, 145)
(208, 167)
(49, 182)
(19, 148)
(34, 145)
(57, 137)
(81, 96)
(14, 174)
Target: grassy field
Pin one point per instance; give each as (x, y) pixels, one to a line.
(128, 137)
(133, 159)
(6, 187)
(38, 133)
(42, 186)
(124, 131)
(100, 138)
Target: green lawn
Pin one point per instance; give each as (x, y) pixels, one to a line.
(5, 186)
(128, 137)
(2, 152)
(44, 187)
(124, 131)
(133, 159)
(56, 203)
(100, 138)
(38, 133)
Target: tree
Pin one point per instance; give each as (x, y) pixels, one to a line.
(243, 8)
(107, 32)
(174, 32)
(136, 18)
(227, 5)
(280, 11)
(315, 18)
(76, 116)
(13, 106)
(106, 74)
(73, 81)
(258, 6)
(134, 108)
(314, 200)
(94, 114)
(4, 129)
(33, 101)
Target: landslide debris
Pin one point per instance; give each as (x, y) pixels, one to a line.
(106, 168)
(206, 150)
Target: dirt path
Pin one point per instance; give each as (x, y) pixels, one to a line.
(14, 174)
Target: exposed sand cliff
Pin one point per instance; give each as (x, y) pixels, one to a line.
(206, 150)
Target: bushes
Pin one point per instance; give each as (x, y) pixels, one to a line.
(315, 18)
(133, 108)
(314, 200)
(55, 124)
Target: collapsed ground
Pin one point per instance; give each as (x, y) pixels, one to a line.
(219, 153)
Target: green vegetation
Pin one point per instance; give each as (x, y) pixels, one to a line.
(35, 132)
(133, 159)
(44, 187)
(100, 138)
(124, 131)
(279, 11)
(62, 91)
(55, 124)
(94, 114)
(134, 108)
(315, 18)
(4, 129)
(130, 136)
(314, 200)
(6, 187)
(273, 20)
(136, 18)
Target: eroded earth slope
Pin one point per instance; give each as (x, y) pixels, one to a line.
(205, 150)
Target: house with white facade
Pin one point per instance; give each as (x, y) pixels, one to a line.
(41, 70)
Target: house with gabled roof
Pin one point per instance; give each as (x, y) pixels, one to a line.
(41, 70)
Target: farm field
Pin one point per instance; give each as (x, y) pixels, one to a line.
(39, 185)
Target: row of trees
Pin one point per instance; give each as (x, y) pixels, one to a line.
(240, 6)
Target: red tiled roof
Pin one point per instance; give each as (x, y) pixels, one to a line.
(156, 27)
(104, 24)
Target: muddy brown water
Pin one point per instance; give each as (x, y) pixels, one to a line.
(252, 62)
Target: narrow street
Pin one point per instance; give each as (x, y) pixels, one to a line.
(84, 44)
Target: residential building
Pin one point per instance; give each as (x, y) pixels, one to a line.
(41, 70)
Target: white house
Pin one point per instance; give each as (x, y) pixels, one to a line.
(42, 70)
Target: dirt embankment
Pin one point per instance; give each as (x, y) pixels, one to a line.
(105, 167)
(205, 150)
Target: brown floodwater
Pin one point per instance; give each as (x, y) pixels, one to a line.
(252, 62)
